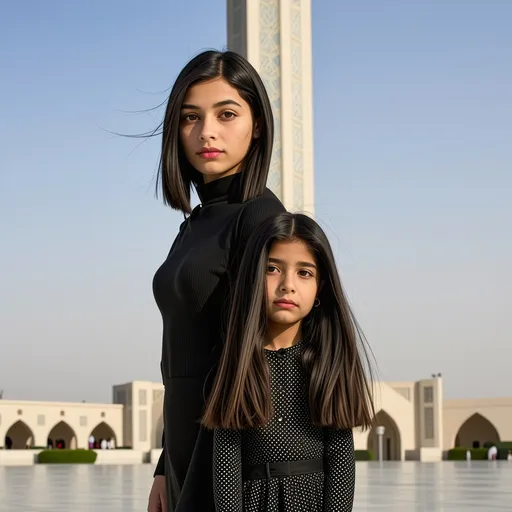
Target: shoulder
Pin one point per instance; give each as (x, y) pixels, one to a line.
(184, 223)
(257, 210)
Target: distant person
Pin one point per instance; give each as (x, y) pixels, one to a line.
(91, 442)
(492, 453)
(103, 444)
(509, 456)
(291, 383)
(217, 139)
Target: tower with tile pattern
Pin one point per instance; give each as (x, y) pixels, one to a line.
(275, 36)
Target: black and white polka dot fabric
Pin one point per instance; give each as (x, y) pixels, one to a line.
(288, 436)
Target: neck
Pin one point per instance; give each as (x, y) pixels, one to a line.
(282, 336)
(221, 188)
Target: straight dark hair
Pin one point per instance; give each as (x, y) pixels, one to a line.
(336, 357)
(176, 175)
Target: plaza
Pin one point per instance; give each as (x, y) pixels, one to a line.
(390, 486)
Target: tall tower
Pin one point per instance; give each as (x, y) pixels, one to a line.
(275, 36)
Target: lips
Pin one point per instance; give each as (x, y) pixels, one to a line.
(285, 303)
(209, 151)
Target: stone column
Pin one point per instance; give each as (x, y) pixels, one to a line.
(275, 36)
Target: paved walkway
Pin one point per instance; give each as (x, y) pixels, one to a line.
(436, 487)
(393, 487)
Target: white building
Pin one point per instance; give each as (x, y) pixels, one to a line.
(419, 424)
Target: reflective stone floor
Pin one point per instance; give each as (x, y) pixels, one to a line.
(397, 487)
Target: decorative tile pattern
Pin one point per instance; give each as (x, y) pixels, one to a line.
(296, 20)
(297, 135)
(270, 69)
(298, 193)
(297, 116)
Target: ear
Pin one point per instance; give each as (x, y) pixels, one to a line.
(256, 133)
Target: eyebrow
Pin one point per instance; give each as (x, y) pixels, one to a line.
(216, 105)
(299, 263)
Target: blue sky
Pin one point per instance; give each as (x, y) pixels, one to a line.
(413, 177)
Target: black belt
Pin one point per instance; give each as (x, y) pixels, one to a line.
(281, 469)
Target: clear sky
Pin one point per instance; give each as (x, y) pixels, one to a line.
(413, 177)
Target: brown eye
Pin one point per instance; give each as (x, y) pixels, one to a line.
(228, 115)
(190, 117)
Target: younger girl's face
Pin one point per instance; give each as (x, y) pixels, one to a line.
(292, 282)
(216, 128)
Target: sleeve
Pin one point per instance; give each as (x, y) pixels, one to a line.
(340, 478)
(160, 465)
(227, 470)
(254, 213)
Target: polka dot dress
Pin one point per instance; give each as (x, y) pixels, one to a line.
(288, 436)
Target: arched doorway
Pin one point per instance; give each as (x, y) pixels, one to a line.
(391, 447)
(19, 436)
(62, 436)
(476, 431)
(102, 431)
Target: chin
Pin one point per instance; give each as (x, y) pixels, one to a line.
(212, 171)
(285, 318)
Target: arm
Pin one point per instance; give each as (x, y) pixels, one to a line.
(160, 465)
(227, 470)
(341, 474)
(254, 212)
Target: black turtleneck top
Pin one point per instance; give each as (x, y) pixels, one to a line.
(192, 290)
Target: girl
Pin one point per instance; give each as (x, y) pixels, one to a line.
(291, 382)
(217, 138)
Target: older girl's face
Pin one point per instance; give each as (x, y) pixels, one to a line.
(216, 128)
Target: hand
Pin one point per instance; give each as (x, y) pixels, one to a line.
(158, 496)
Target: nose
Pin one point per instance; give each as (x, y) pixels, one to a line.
(207, 130)
(287, 283)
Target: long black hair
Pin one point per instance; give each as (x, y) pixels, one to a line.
(176, 175)
(336, 357)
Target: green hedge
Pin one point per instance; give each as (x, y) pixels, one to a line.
(364, 455)
(481, 453)
(460, 453)
(67, 457)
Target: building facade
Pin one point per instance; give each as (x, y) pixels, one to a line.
(418, 423)
(275, 36)
(31, 424)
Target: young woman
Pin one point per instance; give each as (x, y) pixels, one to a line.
(217, 138)
(292, 380)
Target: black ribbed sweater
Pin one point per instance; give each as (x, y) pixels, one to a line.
(192, 290)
